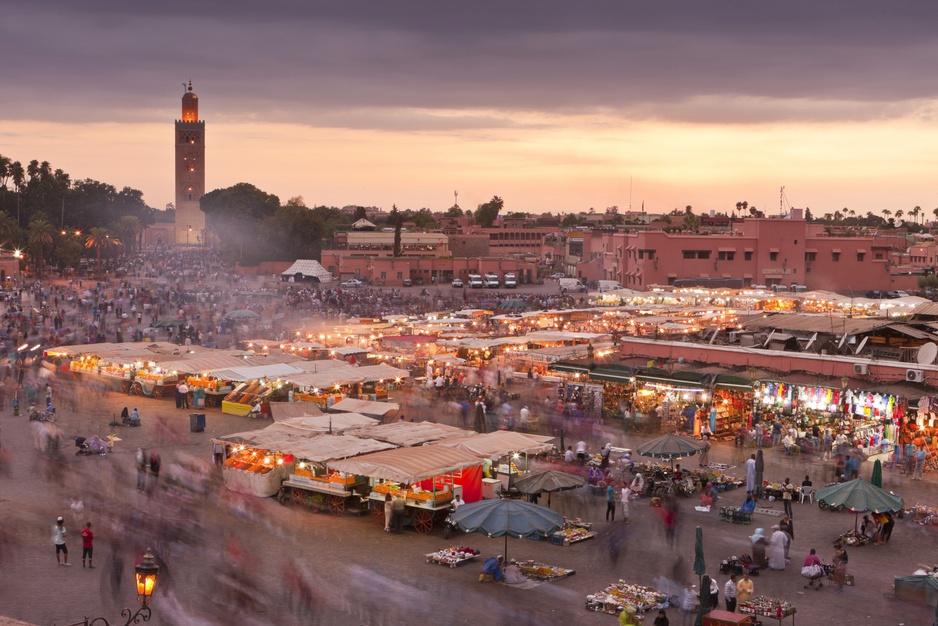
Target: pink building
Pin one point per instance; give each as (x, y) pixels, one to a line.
(762, 251)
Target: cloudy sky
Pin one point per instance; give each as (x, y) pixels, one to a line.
(553, 105)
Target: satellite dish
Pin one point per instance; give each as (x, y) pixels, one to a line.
(927, 354)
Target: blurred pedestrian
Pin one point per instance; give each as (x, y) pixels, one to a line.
(141, 461)
(154, 470)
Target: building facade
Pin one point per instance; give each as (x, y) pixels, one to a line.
(190, 172)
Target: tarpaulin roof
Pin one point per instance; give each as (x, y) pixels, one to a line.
(315, 424)
(408, 465)
(365, 407)
(281, 411)
(499, 443)
(308, 267)
(274, 370)
(409, 433)
(324, 448)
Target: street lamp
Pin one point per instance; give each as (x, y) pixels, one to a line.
(147, 571)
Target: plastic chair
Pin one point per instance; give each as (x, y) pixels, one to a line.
(807, 492)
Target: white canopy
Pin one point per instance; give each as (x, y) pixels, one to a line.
(324, 448)
(274, 370)
(365, 407)
(308, 268)
(499, 443)
(308, 425)
(408, 465)
(409, 433)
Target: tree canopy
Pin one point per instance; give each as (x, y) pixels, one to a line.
(486, 213)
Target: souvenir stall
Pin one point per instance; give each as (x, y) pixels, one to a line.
(732, 399)
(867, 416)
(580, 399)
(763, 606)
(425, 476)
(920, 428)
(614, 598)
(679, 395)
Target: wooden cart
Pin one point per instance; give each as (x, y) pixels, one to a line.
(320, 495)
(417, 513)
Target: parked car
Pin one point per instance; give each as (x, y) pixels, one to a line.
(352, 282)
(457, 283)
(558, 275)
(408, 282)
(897, 294)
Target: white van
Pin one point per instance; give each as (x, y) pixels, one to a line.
(799, 288)
(475, 281)
(609, 285)
(779, 288)
(491, 281)
(511, 281)
(571, 284)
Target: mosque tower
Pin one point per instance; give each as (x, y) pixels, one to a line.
(190, 171)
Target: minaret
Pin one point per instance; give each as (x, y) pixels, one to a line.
(190, 171)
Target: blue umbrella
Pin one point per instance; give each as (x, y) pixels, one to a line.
(503, 517)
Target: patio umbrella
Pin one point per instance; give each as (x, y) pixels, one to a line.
(705, 607)
(876, 479)
(242, 314)
(503, 517)
(700, 566)
(671, 447)
(760, 468)
(548, 481)
(859, 496)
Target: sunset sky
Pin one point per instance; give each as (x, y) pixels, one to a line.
(554, 106)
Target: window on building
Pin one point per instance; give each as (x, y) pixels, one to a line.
(861, 256)
(878, 256)
(703, 254)
(726, 255)
(400, 275)
(689, 254)
(773, 256)
(836, 257)
(810, 256)
(384, 275)
(747, 256)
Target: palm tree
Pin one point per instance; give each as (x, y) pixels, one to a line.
(8, 225)
(40, 234)
(899, 215)
(129, 227)
(935, 213)
(886, 214)
(100, 239)
(914, 213)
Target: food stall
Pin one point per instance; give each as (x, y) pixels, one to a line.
(505, 448)
(313, 484)
(425, 476)
(254, 465)
(365, 407)
(259, 383)
(763, 606)
(618, 595)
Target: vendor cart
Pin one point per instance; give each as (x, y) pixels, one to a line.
(765, 607)
(323, 495)
(726, 618)
(151, 387)
(421, 514)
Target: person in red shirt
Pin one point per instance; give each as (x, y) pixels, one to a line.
(87, 549)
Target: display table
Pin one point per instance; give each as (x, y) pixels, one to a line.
(617, 595)
(763, 606)
(539, 571)
(453, 556)
(573, 531)
(725, 618)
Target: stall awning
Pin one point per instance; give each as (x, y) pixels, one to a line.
(365, 407)
(675, 379)
(409, 433)
(566, 366)
(500, 443)
(613, 373)
(409, 465)
(737, 383)
(275, 370)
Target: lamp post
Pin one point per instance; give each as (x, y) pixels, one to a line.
(147, 571)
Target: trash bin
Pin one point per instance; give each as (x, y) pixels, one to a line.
(196, 422)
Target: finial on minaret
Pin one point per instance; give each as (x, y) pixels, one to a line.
(190, 84)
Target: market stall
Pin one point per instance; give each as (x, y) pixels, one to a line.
(366, 407)
(573, 531)
(763, 606)
(453, 556)
(617, 596)
(425, 476)
(256, 469)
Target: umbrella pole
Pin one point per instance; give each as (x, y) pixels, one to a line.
(506, 547)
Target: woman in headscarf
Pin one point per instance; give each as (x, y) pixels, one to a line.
(638, 484)
(758, 548)
(777, 548)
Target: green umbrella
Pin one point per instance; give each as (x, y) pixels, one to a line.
(503, 517)
(242, 314)
(876, 479)
(859, 496)
(671, 447)
(548, 482)
(705, 607)
(700, 566)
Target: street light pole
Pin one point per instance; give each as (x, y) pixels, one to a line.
(146, 574)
